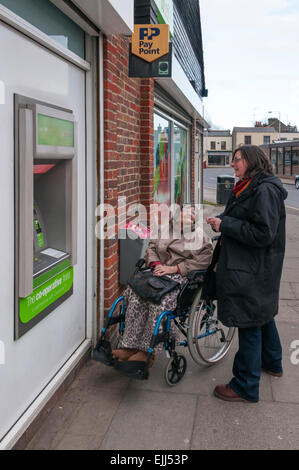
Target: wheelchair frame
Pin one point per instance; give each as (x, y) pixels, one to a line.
(176, 367)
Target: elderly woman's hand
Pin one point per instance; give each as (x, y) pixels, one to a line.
(215, 223)
(161, 270)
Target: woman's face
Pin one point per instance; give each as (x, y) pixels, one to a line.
(239, 164)
(187, 217)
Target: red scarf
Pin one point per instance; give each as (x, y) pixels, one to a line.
(241, 185)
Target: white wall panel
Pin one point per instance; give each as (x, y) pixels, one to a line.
(31, 362)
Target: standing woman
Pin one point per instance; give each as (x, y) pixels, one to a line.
(248, 270)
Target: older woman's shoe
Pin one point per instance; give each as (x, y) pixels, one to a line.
(123, 354)
(226, 393)
(141, 356)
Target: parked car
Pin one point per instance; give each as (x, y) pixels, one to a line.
(297, 181)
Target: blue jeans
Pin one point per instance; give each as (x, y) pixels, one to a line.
(258, 348)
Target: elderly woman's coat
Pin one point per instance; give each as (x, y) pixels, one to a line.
(251, 254)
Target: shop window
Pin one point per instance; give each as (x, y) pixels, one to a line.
(50, 20)
(216, 160)
(162, 170)
(180, 149)
(170, 161)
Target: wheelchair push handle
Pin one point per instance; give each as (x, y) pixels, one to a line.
(140, 263)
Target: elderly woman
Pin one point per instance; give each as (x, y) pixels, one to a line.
(175, 258)
(248, 270)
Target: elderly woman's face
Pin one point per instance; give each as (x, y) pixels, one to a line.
(239, 164)
(187, 217)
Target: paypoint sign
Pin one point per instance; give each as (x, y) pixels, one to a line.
(150, 42)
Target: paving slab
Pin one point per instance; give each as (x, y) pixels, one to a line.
(96, 375)
(286, 291)
(251, 426)
(285, 388)
(288, 332)
(92, 420)
(199, 380)
(85, 411)
(288, 311)
(291, 262)
(290, 274)
(152, 420)
(54, 428)
(295, 288)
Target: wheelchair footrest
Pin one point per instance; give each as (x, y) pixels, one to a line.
(133, 369)
(103, 353)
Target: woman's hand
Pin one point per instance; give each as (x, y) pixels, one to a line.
(215, 223)
(161, 270)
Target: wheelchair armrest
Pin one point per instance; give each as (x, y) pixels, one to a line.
(196, 272)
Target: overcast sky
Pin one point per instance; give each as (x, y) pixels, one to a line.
(251, 55)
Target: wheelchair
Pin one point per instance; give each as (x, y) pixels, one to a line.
(195, 315)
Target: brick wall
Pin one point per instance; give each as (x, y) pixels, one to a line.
(128, 115)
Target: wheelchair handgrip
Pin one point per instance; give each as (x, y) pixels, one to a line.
(140, 263)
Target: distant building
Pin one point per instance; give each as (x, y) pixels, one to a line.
(217, 147)
(253, 136)
(285, 157)
(280, 126)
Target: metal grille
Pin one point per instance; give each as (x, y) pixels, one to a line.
(185, 54)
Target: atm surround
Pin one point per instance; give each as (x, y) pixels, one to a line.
(45, 209)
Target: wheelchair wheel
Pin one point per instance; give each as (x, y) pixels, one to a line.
(208, 339)
(175, 370)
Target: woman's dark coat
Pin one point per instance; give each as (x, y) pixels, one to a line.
(251, 254)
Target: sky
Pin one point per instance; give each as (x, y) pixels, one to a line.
(251, 50)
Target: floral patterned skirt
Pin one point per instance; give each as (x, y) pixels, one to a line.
(142, 315)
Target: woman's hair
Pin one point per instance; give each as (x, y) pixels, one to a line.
(257, 161)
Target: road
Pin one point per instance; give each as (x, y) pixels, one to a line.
(210, 181)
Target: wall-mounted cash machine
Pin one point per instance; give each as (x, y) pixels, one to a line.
(45, 210)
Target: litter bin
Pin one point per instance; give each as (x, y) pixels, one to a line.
(134, 240)
(225, 184)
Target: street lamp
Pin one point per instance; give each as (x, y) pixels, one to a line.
(278, 122)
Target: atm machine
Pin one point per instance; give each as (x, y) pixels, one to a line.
(45, 210)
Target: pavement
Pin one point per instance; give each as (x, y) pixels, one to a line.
(106, 411)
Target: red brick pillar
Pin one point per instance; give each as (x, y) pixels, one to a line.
(147, 143)
(112, 89)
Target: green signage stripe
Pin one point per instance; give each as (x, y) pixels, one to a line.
(37, 282)
(161, 20)
(45, 295)
(55, 132)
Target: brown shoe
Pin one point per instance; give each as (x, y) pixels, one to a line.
(123, 354)
(141, 356)
(225, 392)
(275, 374)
